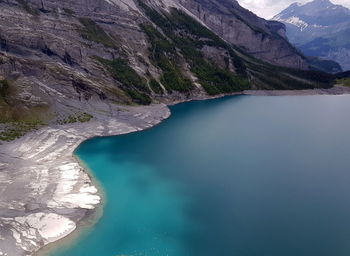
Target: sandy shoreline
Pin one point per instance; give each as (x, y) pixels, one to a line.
(44, 190)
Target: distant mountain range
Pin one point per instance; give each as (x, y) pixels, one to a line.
(319, 28)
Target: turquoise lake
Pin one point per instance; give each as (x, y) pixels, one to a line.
(238, 176)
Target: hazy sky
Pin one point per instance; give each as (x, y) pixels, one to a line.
(269, 8)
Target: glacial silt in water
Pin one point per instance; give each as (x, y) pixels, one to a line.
(243, 175)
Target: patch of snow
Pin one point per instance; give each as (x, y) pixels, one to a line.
(296, 21)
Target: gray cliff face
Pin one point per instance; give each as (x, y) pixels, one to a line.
(50, 64)
(319, 28)
(260, 38)
(52, 49)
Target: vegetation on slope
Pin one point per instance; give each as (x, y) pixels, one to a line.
(155, 86)
(79, 117)
(165, 57)
(269, 77)
(93, 32)
(132, 83)
(14, 130)
(344, 82)
(15, 118)
(181, 34)
(179, 46)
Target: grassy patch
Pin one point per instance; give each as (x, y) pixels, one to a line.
(93, 32)
(84, 117)
(344, 82)
(16, 119)
(79, 117)
(15, 130)
(71, 119)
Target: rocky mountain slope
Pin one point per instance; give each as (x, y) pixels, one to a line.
(319, 28)
(258, 37)
(57, 56)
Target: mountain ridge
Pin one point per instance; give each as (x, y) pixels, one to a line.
(319, 28)
(115, 51)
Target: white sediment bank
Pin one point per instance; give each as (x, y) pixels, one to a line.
(44, 192)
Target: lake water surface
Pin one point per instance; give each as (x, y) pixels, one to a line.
(238, 176)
